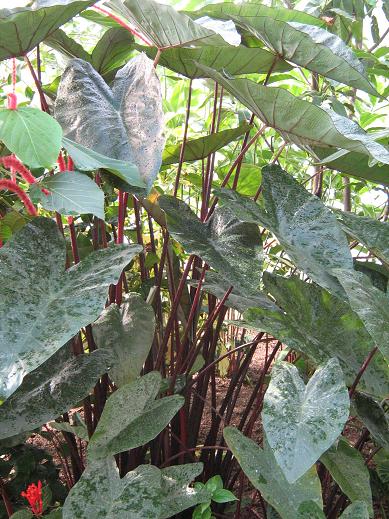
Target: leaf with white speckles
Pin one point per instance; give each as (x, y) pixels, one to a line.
(301, 422)
(357, 510)
(261, 468)
(310, 510)
(41, 305)
(144, 418)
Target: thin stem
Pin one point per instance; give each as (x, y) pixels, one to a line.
(182, 150)
(38, 84)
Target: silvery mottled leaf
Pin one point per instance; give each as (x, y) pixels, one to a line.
(128, 332)
(303, 225)
(371, 305)
(70, 193)
(347, 466)
(22, 28)
(51, 389)
(311, 320)
(33, 323)
(144, 418)
(298, 121)
(137, 93)
(374, 417)
(261, 468)
(357, 510)
(303, 421)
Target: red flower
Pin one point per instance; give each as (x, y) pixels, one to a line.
(34, 498)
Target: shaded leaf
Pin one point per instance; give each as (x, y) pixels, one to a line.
(228, 245)
(128, 331)
(22, 514)
(347, 466)
(144, 418)
(51, 389)
(373, 416)
(357, 510)
(22, 28)
(310, 510)
(261, 468)
(200, 148)
(34, 136)
(303, 225)
(71, 193)
(38, 326)
(60, 41)
(112, 51)
(301, 422)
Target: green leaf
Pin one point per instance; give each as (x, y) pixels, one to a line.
(303, 225)
(162, 25)
(228, 245)
(22, 28)
(371, 305)
(310, 510)
(144, 418)
(322, 326)
(374, 417)
(144, 493)
(86, 159)
(61, 42)
(261, 468)
(71, 193)
(374, 235)
(78, 430)
(222, 495)
(22, 514)
(55, 514)
(128, 332)
(112, 51)
(301, 422)
(235, 60)
(51, 389)
(200, 148)
(33, 135)
(38, 289)
(298, 121)
(214, 483)
(357, 510)
(347, 466)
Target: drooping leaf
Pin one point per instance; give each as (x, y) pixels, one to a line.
(311, 320)
(86, 159)
(22, 28)
(347, 466)
(310, 510)
(373, 234)
(61, 42)
(79, 430)
(302, 422)
(128, 331)
(33, 135)
(112, 51)
(261, 468)
(145, 417)
(51, 389)
(162, 25)
(227, 244)
(144, 493)
(374, 417)
(303, 225)
(299, 121)
(357, 510)
(38, 289)
(70, 193)
(371, 305)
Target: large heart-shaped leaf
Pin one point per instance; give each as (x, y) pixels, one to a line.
(51, 389)
(298, 121)
(22, 28)
(304, 226)
(302, 422)
(374, 417)
(128, 331)
(144, 493)
(261, 468)
(200, 148)
(112, 51)
(63, 43)
(321, 326)
(230, 246)
(72, 193)
(371, 233)
(356, 510)
(41, 305)
(125, 123)
(34, 136)
(347, 466)
(144, 418)
(371, 304)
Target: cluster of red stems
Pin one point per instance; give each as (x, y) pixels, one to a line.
(34, 498)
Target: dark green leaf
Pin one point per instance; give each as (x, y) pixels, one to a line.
(310, 510)
(112, 51)
(61, 42)
(373, 416)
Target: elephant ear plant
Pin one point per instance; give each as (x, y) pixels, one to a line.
(190, 326)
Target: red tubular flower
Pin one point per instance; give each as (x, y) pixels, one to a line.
(34, 498)
(12, 102)
(70, 164)
(12, 186)
(61, 162)
(12, 163)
